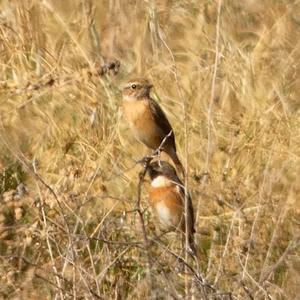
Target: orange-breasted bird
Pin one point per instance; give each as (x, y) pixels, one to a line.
(167, 197)
(147, 120)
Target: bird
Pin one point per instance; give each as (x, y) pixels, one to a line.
(147, 120)
(167, 196)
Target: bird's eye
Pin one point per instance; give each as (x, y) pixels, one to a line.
(133, 86)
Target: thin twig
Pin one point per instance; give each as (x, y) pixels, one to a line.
(141, 217)
(205, 287)
(213, 87)
(186, 196)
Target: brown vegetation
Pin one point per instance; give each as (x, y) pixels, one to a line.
(227, 74)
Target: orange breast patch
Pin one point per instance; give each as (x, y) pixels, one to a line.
(167, 203)
(142, 123)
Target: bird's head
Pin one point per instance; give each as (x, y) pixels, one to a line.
(136, 89)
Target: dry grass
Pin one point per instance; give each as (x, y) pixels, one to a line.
(69, 226)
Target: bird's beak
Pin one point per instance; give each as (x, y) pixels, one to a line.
(150, 86)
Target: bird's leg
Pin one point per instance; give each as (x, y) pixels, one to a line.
(157, 153)
(146, 160)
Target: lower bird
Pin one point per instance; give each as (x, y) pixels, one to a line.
(147, 120)
(167, 197)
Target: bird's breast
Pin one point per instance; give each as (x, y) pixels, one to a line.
(168, 206)
(141, 122)
(135, 111)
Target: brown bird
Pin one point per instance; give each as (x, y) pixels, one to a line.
(167, 197)
(147, 120)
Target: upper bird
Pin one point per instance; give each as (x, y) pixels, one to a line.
(147, 120)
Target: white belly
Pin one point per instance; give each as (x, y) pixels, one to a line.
(164, 214)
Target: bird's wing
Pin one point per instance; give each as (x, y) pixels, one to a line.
(161, 118)
(190, 210)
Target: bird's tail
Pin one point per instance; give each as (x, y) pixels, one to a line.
(177, 162)
(192, 246)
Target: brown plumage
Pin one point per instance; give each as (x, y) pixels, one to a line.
(167, 197)
(147, 120)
